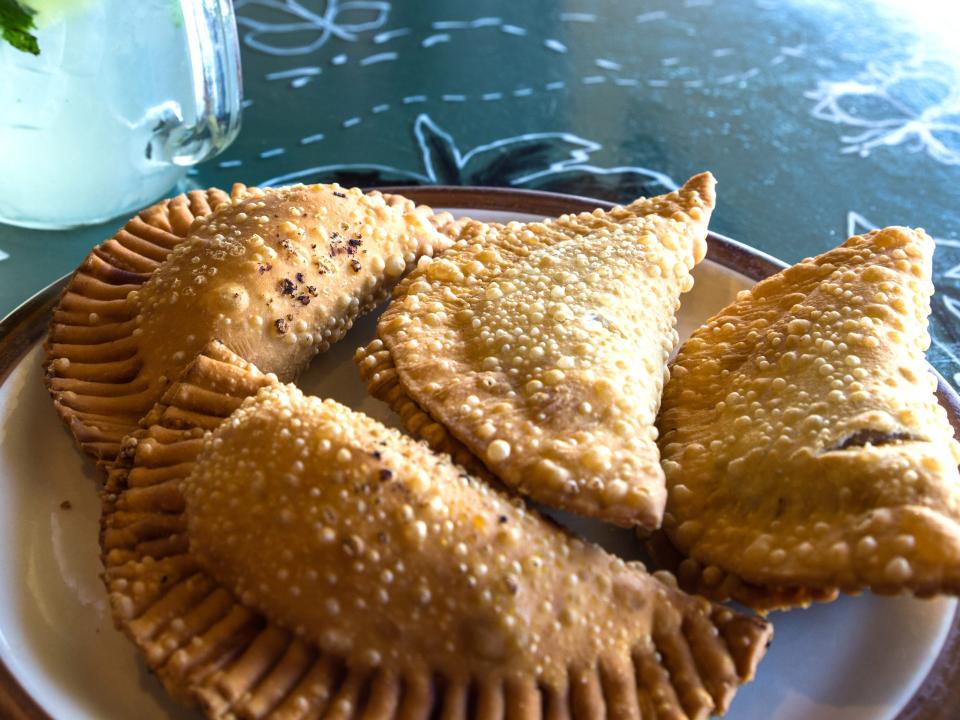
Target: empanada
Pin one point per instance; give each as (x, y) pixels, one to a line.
(276, 274)
(304, 560)
(542, 347)
(804, 449)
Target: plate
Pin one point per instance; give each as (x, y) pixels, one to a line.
(859, 658)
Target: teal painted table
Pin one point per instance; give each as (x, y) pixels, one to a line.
(818, 119)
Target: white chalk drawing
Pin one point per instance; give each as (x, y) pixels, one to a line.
(607, 64)
(555, 45)
(3, 255)
(943, 322)
(378, 58)
(914, 103)
(287, 27)
(514, 30)
(466, 24)
(578, 17)
(651, 16)
(388, 35)
(296, 72)
(435, 39)
(545, 160)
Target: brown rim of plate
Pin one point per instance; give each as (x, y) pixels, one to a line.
(938, 694)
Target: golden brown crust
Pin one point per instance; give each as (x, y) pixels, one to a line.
(92, 324)
(273, 273)
(542, 347)
(377, 370)
(647, 648)
(804, 448)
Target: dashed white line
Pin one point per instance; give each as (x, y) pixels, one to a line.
(651, 16)
(380, 108)
(593, 80)
(351, 122)
(379, 58)
(294, 72)
(578, 17)
(272, 152)
(338, 59)
(555, 45)
(230, 163)
(412, 99)
(453, 98)
(513, 30)
(387, 35)
(434, 39)
(607, 64)
(310, 139)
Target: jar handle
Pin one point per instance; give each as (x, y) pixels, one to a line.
(214, 52)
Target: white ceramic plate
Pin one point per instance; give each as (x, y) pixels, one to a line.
(860, 658)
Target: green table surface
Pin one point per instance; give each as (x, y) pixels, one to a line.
(819, 119)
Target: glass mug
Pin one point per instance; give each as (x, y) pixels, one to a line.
(124, 96)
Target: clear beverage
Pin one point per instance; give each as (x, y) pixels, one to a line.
(89, 127)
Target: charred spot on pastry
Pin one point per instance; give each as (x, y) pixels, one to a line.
(876, 438)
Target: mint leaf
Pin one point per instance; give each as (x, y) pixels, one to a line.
(16, 21)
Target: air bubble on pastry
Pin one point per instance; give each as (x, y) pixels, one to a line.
(302, 556)
(801, 434)
(277, 274)
(560, 332)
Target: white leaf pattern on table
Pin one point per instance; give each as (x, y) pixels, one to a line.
(541, 158)
(261, 34)
(913, 103)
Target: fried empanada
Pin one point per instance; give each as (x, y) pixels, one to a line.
(305, 559)
(804, 448)
(542, 347)
(277, 274)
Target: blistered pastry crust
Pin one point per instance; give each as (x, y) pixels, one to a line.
(277, 274)
(801, 438)
(542, 347)
(290, 579)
